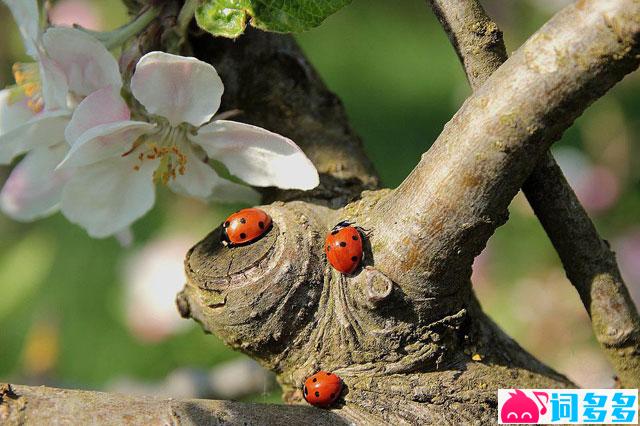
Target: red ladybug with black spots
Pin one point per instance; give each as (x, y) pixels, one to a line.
(245, 226)
(343, 247)
(322, 389)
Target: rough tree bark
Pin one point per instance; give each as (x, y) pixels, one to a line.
(587, 259)
(28, 405)
(405, 332)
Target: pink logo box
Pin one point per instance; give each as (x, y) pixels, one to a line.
(568, 406)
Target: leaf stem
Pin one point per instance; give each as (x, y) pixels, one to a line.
(185, 16)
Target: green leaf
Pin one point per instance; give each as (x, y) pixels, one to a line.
(228, 18)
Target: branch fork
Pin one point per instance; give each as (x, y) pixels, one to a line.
(423, 236)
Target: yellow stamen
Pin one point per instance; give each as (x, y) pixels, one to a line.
(31, 89)
(35, 105)
(27, 78)
(172, 160)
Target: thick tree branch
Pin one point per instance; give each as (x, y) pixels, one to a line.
(591, 267)
(433, 225)
(589, 263)
(476, 39)
(27, 405)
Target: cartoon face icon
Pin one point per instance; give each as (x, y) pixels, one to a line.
(519, 408)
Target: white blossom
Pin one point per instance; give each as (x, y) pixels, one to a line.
(116, 161)
(69, 65)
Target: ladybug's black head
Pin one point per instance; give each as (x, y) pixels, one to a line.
(340, 225)
(224, 238)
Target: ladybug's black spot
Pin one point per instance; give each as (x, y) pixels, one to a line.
(305, 391)
(317, 394)
(243, 220)
(334, 232)
(314, 380)
(328, 248)
(261, 224)
(226, 224)
(243, 235)
(355, 237)
(354, 258)
(328, 374)
(343, 244)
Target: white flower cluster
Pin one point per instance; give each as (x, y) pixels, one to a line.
(88, 159)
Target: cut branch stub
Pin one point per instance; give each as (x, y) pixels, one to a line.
(262, 291)
(374, 289)
(280, 301)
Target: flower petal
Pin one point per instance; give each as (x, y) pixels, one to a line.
(43, 130)
(178, 88)
(198, 179)
(201, 181)
(87, 64)
(257, 156)
(106, 197)
(27, 17)
(111, 140)
(34, 188)
(54, 83)
(13, 113)
(101, 107)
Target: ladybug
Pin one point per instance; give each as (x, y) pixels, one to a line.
(245, 226)
(322, 389)
(343, 247)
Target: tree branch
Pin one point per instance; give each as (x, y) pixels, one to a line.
(477, 40)
(591, 267)
(589, 263)
(441, 216)
(20, 405)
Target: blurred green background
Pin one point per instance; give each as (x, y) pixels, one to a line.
(86, 313)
